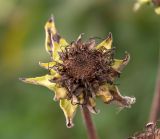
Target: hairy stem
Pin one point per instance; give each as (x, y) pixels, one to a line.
(155, 109)
(91, 130)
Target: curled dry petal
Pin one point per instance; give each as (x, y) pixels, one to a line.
(107, 43)
(60, 92)
(79, 39)
(74, 100)
(92, 106)
(42, 80)
(119, 65)
(69, 111)
(104, 94)
(49, 66)
(54, 42)
(122, 101)
(110, 93)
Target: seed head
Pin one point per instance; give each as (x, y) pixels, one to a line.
(150, 132)
(79, 72)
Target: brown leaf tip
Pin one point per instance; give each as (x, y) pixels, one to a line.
(69, 123)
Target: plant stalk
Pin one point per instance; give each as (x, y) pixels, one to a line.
(155, 109)
(91, 130)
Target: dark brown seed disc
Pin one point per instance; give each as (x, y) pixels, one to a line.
(85, 69)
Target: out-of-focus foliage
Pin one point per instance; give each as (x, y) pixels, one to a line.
(155, 3)
(26, 111)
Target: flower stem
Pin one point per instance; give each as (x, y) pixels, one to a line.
(91, 130)
(155, 109)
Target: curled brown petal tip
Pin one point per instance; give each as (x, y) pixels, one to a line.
(79, 39)
(69, 123)
(93, 110)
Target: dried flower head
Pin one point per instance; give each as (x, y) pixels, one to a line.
(80, 72)
(156, 4)
(151, 132)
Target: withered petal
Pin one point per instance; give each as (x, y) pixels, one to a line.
(69, 111)
(79, 39)
(122, 101)
(119, 65)
(107, 43)
(104, 93)
(110, 93)
(59, 91)
(91, 105)
(54, 42)
(41, 80)
(48, 66)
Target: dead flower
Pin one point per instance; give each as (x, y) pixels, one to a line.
(80, 72)
(151, 132)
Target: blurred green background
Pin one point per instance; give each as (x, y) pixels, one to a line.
(28, 111)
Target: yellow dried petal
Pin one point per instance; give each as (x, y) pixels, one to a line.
(104, 94)
(54, 43)
(92, 106)
(118, 65)
(49, 66)
(42, 80)
(74, 100)
(122, 101)
(110, 93)
(60, 92)
(69, 111)
(107, 43)
(81, 99)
